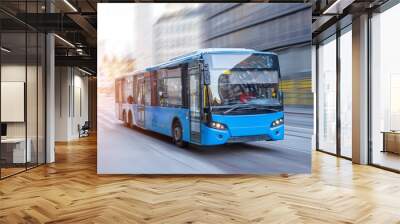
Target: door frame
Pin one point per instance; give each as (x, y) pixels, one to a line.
(196, 64)
(334, 35)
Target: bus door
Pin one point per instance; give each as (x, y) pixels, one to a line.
(194, 73)
(140, 104)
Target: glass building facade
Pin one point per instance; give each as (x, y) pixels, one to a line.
(334, 93)
(385, 89)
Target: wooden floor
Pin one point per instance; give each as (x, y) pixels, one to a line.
(5, 172)
(70, 191)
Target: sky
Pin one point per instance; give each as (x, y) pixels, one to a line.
(116, 21)
(120, 37)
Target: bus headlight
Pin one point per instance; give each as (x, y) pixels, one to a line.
(217, 125)
(277, 122)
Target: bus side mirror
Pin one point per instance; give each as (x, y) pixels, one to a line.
(281, 96)
(206, 115)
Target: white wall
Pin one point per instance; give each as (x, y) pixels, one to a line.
(12, 73)
(80, 105)
(71, 102)
(62, 81)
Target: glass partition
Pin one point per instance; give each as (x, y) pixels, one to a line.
(31, 97)
(22, 88)
(327, 95)
(14, 154)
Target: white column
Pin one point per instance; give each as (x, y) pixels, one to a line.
(50, 92)
(50, 99)
(360, 90)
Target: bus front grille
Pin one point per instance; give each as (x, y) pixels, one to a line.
(250, 138)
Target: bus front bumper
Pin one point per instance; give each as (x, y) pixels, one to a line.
(211, 136)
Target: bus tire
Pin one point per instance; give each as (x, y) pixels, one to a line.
(177, 134)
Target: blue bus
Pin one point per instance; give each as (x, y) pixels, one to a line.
(208, 97)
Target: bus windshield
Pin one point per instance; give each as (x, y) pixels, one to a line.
(244, 79)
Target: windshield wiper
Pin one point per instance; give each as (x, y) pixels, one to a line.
(237, 106)
(268, 108)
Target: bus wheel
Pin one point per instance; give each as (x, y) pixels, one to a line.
(177, 134)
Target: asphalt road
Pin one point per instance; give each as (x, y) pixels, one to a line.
(132, 151)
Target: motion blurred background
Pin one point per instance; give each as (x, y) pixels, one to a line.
(162, 31)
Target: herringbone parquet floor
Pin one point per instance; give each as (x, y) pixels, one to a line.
(70, 191)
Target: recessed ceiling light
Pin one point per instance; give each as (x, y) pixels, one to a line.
(70, 5)
(64, 40)
(337, 7)
(5, 50)
(84, 71)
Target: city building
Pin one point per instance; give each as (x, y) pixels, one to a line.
(177, 32)
(144, 42)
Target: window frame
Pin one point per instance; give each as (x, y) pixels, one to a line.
(334, 33)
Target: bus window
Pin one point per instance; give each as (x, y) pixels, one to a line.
(170, 87)
(174, 91)
(117, 88)
(123, 92)
(134, 89)
(185, 80)
(250, 85)
(147, 92)
(120, 90)
(161, 88)
(140, 96)
(154, 96)
(244, 79)
(174, 86)
(129, 90)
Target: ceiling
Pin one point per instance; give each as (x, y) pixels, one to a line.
(327, 13)
(75, 22)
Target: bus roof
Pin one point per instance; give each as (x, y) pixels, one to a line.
(195, 55)
(198, 53)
